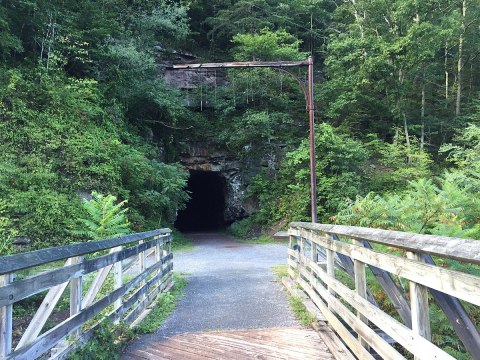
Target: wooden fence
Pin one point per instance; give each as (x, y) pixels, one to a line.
(113, 278)
(396, 259)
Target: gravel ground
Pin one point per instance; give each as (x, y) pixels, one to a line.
(230, 286)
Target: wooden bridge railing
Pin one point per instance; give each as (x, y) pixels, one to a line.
(317, 252)
(110, 278)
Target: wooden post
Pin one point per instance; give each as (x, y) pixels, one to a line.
(76, 294)
(6, 314)
(141, 264)
(330, 268)
(419, 304)
(360, 288)
(118, 278)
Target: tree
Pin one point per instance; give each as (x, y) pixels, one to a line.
(105, 218)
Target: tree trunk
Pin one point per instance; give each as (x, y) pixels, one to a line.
(422, 117)
(445, 61)
(460, 60)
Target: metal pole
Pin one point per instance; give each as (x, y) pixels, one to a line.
(311, 116)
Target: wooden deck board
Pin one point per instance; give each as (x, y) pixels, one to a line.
(263, 344)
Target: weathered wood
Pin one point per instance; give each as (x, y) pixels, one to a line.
(378, 343)
(417, 345)
(5, 321)
(342, 262)
(334, 344)
(153, 297)
(247, 64)
(307, 302)
(117, 278)
(16, 262)
(146, 298)
(448, 247)
(360, 288)
(96, 285)
(455, 283)
(395, 295)
(43, 313)
(76, 286)
(336, 324)
(45, 341)
(419, 301)
(295, 343)
(458, 317)
(21, 289)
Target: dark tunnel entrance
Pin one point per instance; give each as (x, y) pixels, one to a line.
(206, 208)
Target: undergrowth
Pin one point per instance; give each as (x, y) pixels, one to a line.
(296, 304)
(109, 339)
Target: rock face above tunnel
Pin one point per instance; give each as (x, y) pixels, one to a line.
(200, 158)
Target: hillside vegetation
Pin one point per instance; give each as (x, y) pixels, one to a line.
(83, 109)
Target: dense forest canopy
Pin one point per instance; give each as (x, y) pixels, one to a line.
(83, 108)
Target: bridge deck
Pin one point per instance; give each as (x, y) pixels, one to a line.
(277, 343)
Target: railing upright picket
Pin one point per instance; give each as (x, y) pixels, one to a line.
(142, 265)
(76, 294)
(360, 288)
(6, 323)
(419, 304)
(118, 279)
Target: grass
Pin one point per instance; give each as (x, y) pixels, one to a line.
(110, 339)
(261, 240)
(280, 271)
(181, 242)
(296, 304)
(166, 304)
(301, 313)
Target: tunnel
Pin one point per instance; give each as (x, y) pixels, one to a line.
(206, 208)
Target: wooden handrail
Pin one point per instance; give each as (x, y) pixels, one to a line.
(129, 297)
(448, 247)
(318, 281)
(26, 260)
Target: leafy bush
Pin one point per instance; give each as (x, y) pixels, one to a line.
(105, 218)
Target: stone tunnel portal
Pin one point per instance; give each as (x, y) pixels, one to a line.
(205, 211)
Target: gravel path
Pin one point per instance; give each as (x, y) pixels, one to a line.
(230, 286)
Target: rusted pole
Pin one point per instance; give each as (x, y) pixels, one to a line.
(311, 117)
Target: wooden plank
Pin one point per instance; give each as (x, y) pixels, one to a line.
(307, 302)
(76, 295)
(21, 289)
(395, 295)
(360, 288)
(247, 64)
(378, 343)
(455, 283)
(43, 313)
(6, 321)
(417, 345)
(458, 317)
(118, 277)
(145, 299)
(16, 262)
(332, 341)
(96, 285)
(45, 341)
(152, 299)
(448, 247)
(420, 309)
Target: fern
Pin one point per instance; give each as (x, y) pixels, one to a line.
(105, 219)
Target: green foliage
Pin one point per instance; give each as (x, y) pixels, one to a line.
(301, 313)
(107, 342)
(448, 208)
(267, 45)
(341, 163)
(166, 304)
(105, 219)
(6, 231)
